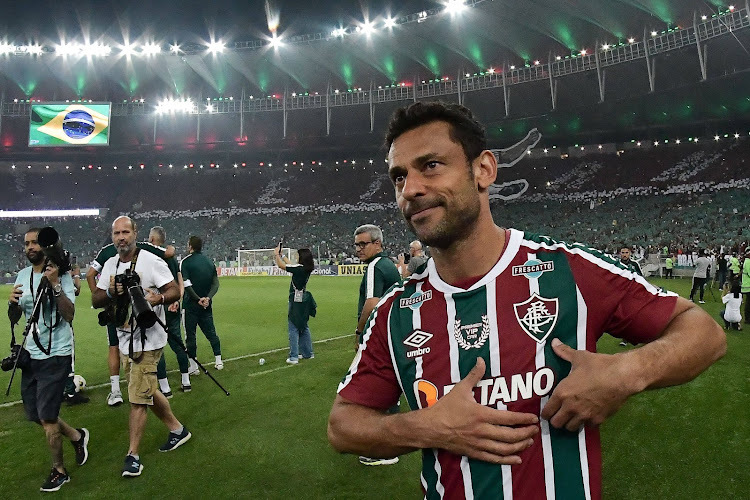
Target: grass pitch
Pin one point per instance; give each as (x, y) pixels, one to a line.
(268, 440)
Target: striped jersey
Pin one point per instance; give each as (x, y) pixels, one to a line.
(424, 337)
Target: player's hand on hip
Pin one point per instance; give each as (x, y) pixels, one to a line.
(595, 389)
(466, 427)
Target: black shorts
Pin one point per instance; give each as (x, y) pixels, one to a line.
(42, 387)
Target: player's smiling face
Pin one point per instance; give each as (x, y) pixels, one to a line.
(435, 187)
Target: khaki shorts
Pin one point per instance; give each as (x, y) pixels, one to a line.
(142, 382)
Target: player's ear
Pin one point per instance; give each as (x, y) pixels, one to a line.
(485, 169)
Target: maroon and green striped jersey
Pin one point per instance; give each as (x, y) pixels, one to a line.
(425, 336)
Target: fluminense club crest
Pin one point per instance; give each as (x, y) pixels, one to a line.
(537, 316)
(472, 336)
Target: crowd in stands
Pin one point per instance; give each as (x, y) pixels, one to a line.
(681, 197)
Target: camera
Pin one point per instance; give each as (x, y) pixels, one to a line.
(144, 316)
(53, 250)
(16, 353)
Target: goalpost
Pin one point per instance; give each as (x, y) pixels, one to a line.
(261, 257)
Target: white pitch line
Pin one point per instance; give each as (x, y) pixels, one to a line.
(244, 356)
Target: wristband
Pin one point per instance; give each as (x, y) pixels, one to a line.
(162, 298)
(108, 295)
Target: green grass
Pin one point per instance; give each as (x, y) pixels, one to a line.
(268, 440)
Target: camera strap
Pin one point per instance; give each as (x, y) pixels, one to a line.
(131, 321)
(299, 295)
(43, 288)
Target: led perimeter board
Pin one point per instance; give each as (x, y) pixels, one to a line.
(69, 124)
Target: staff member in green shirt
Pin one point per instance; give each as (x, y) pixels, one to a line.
(380, 274)
(201, 284)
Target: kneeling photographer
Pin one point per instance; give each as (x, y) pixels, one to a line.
(140, 286)
(45, 294)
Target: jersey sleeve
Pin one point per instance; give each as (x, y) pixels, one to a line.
(621, 302)
(174, 268)
(185, 270)
(99, 260)
(162, 275)
(151, 248)
(371, 380)
(379, 284)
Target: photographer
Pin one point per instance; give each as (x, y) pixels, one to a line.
(417, 258)
(49, 345)
(142, 282)
(114, 398)
(301, 303)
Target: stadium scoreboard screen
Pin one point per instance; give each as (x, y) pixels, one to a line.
(69, 124)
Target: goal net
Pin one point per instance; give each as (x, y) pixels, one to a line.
(259, 258)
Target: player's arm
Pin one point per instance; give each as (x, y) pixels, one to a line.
(456, 422)
(91, 278)
(598, 384)
(366, 310)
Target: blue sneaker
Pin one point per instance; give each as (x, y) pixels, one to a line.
(133, 467)
(175, 440)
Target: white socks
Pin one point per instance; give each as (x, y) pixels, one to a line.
(164, 385)
(185, 379)
(114, 382)
(218, 360)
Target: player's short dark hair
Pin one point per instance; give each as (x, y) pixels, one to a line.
(305, 257)
(464, 128)
(195, 243)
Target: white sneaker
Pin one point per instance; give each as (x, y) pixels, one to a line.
(219, 365)
(193, 368)
(701, 301)
(292, 361)
(114, 398)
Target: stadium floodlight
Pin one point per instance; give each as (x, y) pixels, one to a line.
(339, 32)
(216, 47)
(736, 136)
(605, 46)
(678, 141)
(210, 108)
(174, 49)
(95, 49)
(367, 28)
(34, 49)
(558, 58)
(491, 71)
(537, 62)
(546, 150)
(654, 33)
(454, 7)
(512, 66)
(150, 49)
(731, 8)
(389, 22)
(584, 52)
(127, 50)
(716, 138)
(631, 40)
(704, 17)
(276, 42)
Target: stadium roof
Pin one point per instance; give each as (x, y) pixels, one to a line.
(426, 42)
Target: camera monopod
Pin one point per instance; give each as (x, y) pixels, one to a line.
(182, 345)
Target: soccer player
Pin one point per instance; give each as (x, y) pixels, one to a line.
(380, 274)
(114, 398)
(201, 284)
(157, 237)
(631, 265)
(494, 343)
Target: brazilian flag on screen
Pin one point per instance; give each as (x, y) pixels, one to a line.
(66, 124)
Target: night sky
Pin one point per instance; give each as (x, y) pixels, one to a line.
(236, 20)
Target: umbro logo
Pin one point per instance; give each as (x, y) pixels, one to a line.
(417, 339)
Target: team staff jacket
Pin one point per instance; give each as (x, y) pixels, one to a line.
(424, 337)
(198, 272)
(380, 274)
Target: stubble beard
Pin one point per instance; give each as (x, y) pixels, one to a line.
(458, 222)
(37, 258)
(124, 250)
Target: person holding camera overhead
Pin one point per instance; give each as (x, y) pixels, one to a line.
(49, 345)
(141, 282)
(301, 303)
